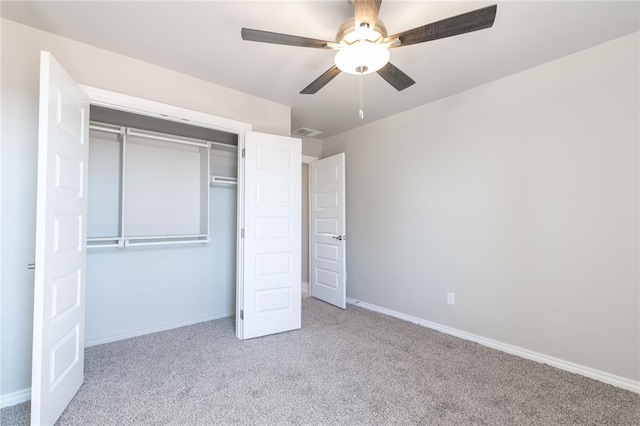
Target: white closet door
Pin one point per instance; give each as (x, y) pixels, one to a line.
(328, 240)
(61, 223)
(271, 288)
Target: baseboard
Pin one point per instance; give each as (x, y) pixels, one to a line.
(164, 327)
(305, 289)
(592, 373)
(13, 398)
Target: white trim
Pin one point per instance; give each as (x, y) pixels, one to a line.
(165, 327)
(612, 379)
(306, 159)
(13, 398)
(305, 289)
(147, 107)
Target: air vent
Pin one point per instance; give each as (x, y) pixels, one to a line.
(303, 131)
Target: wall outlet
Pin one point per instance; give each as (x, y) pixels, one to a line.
(451, 298)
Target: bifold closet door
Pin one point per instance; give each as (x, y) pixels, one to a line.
(61, 224)
(271, 289)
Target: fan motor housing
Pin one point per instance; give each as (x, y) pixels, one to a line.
(348, 33)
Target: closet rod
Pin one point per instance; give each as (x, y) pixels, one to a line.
(165, 237)
(101, 245)
(157, 243)
(105, 129)
(226, 145)
(223, 179)
(132, 132)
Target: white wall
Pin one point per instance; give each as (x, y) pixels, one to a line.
(521, 196)
(21, 47)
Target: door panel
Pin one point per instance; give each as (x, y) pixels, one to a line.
(59, 292)
(327, 251)
(271, 288)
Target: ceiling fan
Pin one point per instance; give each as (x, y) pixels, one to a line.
(363, 45)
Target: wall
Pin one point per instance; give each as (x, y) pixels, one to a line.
(21, 47)
(521, 196)
(310, 146)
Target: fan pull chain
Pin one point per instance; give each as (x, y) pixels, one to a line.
(361, 96)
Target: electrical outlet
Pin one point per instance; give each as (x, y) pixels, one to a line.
(451, 298)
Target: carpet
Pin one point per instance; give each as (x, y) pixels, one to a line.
(348, 367)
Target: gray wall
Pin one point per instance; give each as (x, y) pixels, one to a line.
(310, 146)
(521, 196)
(21, 47)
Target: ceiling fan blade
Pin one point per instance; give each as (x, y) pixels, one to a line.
(467, 22)
(321, 81)
(366, 11)
(398, 79)
(287, 39)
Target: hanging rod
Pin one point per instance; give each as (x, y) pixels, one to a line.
(223, 179)
(157, 243)
(226, 145)
(142, 134)
(101, 128)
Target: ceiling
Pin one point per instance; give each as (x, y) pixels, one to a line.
(202, 39)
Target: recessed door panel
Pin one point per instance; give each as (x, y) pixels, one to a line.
(327, 278)
(274, 159)
(270, 264)
(66, 294)
(65, 354)
(326, 175)
(274, 193)
(69, 175)
(326, 201)
(273, 228)
(327, 252)
(273, 300)
(67, 233)
(327, 225)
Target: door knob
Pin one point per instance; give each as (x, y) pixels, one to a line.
(31, 266)
(340, 237)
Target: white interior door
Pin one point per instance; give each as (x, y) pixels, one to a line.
(61, 223)
(327, 265)
(271, 289)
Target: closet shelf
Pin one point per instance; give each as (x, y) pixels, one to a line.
(213, 180)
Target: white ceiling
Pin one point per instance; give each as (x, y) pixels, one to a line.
(202, 39)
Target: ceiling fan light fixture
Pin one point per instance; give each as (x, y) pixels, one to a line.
(362, 57)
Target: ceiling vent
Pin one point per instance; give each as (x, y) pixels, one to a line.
(310, 133)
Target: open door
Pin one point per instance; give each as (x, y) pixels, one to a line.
(327, 265)
(271, 252)
(60, 258)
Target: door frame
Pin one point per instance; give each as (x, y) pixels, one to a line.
(308, 159)
(140, 106)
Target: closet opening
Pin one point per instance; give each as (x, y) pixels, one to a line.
(162, 225)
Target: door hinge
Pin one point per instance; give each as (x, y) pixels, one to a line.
(242, 152)
(242, 233)
(241, 314)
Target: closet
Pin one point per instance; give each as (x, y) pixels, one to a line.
(162, 221)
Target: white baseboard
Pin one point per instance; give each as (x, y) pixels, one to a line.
(164, 327)
(13, 398)
(305, 289)
(592, 373)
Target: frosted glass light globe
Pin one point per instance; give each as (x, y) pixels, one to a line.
(362, 57)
